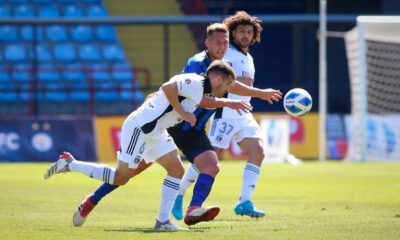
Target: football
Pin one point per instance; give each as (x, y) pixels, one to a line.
(297, 102)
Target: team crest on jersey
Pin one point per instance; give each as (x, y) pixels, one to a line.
(137, 159)
(188, 81)
(219, 138)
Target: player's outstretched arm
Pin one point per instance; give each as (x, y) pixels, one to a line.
(213, 102)
(268, 94)
(171, 92)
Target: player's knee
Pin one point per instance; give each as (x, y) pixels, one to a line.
(211, 169)
(257, 155)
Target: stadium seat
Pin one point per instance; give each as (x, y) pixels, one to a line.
(24, 95)
(27, 34)
(89, 53)
(96, 11)
(48, 11)
(56, 33)
(99, 73)
(82, 33)
(105, 92)
(92, 1)
(4, 75)
(7, 97)
(43, 53)
(113, 53)
(64, 52)
(4, 11)
(8, 33)
(105, 33)
(15, 53)
(8, 93)
(41, 1)
(17, 1)
(24, 11)
(55, 92)
(67, 1)
(73, 73)
(21, 73)
(122, 72)
(47, 73)
(130, 91)
(72, 11)
(80, 92)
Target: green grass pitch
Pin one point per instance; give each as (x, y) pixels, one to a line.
(315, 200)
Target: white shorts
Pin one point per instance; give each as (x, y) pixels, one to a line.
(136, 145)
(224, 129)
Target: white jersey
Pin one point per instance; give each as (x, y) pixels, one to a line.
(156, 114)
(244, 67)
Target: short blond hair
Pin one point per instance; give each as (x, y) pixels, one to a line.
(216, 27)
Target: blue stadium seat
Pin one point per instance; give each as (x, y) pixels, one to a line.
(42, 54)
(55, 92)
(56, 33)
(8, 33)
(99, 73)
(21, 73)
(48, 11)
(106, 92)
(72, 11)
(74, 73)
(92, 1)
(96, 11)
(82, 33)
(105, 33)
(89, 53)
(67, 1)
(122, 72)
(42, 1)
(64, 52)
(24, 11)
(131, 92)
(48, 73)
(8, 93)
(24, 95)
(113, 53)
(4, 75)
(27, 34)
(80, 92)
(15, 53)
(17, 1)
(7, 97)
(79, 96)
(4, 11)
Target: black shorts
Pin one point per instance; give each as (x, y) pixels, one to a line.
(192, 143)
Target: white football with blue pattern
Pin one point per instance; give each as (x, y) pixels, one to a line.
(297, 102)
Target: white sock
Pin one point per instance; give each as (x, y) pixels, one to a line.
(169, 191)
(98, 171)
(250, 178)
(191, 175)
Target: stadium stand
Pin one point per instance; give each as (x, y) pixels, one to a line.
(62, 63)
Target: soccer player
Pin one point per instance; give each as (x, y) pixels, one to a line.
(144, 137)
(201, 153)
(244, 31)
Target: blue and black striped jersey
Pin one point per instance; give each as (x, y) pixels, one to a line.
(198, 64)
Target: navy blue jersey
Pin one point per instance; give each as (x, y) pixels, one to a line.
(198, 64)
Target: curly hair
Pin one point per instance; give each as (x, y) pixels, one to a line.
(243, 18)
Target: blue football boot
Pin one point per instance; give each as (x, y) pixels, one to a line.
(177, 209)
(247, 208)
